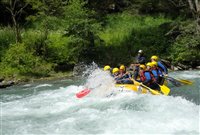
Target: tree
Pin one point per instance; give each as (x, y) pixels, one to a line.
(82, 29)
(47, 11)
(15, 7)
(194, 6)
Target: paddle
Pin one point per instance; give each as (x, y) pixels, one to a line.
(165, 90)
(82, 93)
(185, 81)
(151, 90)
(154, 92)
(85, 92)
(173, 81)
(177, 82)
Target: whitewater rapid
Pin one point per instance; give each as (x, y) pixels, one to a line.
(52, 108)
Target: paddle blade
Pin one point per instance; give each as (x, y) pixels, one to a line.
(165, 90)
(82, 93)
(185, 81)
(177, 82)
(154, 92)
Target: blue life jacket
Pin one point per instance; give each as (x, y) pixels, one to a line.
(162, 67)
(155, 74)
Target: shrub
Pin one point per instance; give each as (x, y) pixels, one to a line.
(6, 38)
(57, 48)
(34, 40)
(18, 60)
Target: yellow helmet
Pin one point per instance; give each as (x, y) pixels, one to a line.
(154, 63)
(122, 67)
(154, 57)
(149, 64)
(107, 67)
(143, 67)
(115, 70)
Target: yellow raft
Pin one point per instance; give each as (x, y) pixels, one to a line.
(137, 87)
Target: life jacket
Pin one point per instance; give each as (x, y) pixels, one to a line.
(158, 71)
(143, 78)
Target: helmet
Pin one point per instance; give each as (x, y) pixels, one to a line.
(115, 70)
(143, 66)
(107, 67)
(154, 63)
(154, 57)
(149, 64)
(140, 51)
(122, 67)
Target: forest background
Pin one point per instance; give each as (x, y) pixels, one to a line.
(39, 38)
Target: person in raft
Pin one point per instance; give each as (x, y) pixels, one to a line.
(157, 72)
(147, 78)
(125, 76)
(120, 77)
(160, 65)
(140, 59)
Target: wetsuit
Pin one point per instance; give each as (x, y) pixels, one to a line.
(162, 67)
(140, 59)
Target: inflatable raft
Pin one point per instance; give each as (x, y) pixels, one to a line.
(137, 87)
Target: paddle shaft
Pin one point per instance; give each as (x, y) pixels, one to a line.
(149, 89)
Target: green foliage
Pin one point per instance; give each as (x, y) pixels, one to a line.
(47, 7)
(6, 38)
(82, 30)
(57, 48)
(18, 60)
(186, 47)
(49, 14)
(125, 34)
(48, 22)
(65, 32)
(35, 42)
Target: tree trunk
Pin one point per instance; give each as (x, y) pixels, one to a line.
(14, 13)
(16, 29)
(197, 5)
(195, 9)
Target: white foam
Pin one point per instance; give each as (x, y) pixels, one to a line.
(60, 112)
(186, 74)
(43, 85)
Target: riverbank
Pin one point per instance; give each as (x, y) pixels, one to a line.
(10, 81)
(77, 70)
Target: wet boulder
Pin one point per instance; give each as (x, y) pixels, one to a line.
(4, 84)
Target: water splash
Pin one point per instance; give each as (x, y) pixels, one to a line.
(58, 111)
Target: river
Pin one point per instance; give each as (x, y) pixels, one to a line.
(51, 107)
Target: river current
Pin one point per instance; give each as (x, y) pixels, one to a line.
(51, 107)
